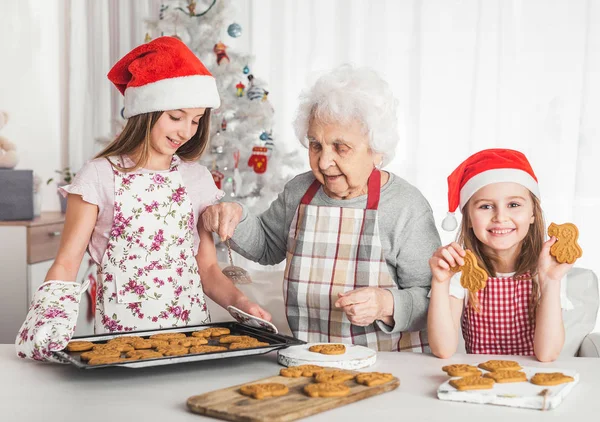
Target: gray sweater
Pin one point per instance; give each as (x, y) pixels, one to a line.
(406, 227)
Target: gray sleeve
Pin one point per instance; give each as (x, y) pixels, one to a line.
(263, 239)
(419, 241)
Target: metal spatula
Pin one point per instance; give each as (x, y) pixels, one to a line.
(234, 273)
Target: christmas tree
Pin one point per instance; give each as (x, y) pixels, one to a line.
(242, 156)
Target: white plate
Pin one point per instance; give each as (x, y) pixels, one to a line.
(515, 394)
(250, 320)
(356, 357)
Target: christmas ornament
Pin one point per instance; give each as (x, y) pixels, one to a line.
(264, 136)
(258, 159)
(147, 38)
(265, 94)
(269, 143)
(246, 70)
(237, 177)
(240, 89)
(236, 274)
(223, 125)
(191, 7)
(220, 51)
(254, 91)
(234, 30)
(217, 177)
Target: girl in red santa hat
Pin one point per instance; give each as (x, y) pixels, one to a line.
(518, 312)
(135, 208)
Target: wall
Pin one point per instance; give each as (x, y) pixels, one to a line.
(30, 54)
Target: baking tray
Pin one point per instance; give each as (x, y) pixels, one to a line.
(276, 341)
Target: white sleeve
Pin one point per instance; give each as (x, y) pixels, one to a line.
(565, 303)
(456, 289)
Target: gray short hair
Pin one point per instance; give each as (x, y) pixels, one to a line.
(347, 93)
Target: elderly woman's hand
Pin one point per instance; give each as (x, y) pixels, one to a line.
(365, 305)
(222, 218)
(244, 304)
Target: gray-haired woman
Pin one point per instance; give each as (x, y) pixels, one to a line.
(356, 239)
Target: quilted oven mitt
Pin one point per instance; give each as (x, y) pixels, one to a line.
(50, 322)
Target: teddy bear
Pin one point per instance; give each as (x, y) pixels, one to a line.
(8, 150)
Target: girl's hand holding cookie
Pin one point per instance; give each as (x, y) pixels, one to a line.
(550, 270)
(365, 305)
(444, 259)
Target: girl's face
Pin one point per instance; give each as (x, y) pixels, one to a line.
(340, 158)
(173, 129)
(500, 215)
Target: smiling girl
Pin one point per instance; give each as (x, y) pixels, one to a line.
(519, 310)
(135, 208)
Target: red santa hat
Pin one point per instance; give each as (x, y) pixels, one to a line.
(163, 74)
(484, 168)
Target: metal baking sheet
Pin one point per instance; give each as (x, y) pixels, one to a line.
(276, 341)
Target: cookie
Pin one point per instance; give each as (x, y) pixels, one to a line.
(261, 391)
(207, 349)
(373, 378)
(86, 356)
(141, 344)
(143, 354)
(236, 339)
(334, 376)
(158, 343)
(472, 277)
(79, 346)
(500, 365)
(188, 341)
(211, 332)
(474, 382)
(120, 347)
(301, 371)
(247, 345)
(566, 249)
(327, 389)
(507, 376)
(328, 349)
(551, 378)
(124, 339)
(105, 360)
(167, 336)
(461, 370)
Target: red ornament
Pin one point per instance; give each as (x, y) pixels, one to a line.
(258, 159)
(220, 51)
(217, 177)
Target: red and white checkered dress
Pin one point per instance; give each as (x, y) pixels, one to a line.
(332, 250)
(503, 325)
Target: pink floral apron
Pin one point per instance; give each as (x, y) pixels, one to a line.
(148, 277)
(502, 327)
(332, 250)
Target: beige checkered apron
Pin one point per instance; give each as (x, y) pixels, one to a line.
(332, 250)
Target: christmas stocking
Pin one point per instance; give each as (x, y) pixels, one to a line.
(258, 159)
(50, 322)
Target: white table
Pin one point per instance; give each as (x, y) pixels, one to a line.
(30, 391)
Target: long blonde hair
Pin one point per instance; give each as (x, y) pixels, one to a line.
(527, 260)
(135, 139)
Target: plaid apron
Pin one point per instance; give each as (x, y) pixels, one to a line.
(148, 277)
(332, 250)
(502, 327)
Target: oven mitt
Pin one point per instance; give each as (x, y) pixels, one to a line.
(51, 320)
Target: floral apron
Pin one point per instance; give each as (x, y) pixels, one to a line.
(148, 277)
(502, 327)
(332, 250)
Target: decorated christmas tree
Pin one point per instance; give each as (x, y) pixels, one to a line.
(243, 154)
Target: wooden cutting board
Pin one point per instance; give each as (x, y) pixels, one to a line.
(229, 404)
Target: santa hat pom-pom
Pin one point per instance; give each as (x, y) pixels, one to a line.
(449, 223)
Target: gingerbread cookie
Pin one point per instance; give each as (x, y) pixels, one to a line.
(327, 389)
(507, 376)
(188, 341)
(173, 350)
(105, 360)
(236, 339)
(247, 345)
(301, 371)
(566, 249)
(261, 391)
(86, 356)
(551, 378)
(207, 349)
(472, 277)
(79, 346)
(211, 332)
(474, 382)
(500, 365)
(334, 376)
(461, 370)
(371, 379)
(143, 354)
(328, 349)
(167, 336)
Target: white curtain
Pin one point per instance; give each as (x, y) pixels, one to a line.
(469, 75)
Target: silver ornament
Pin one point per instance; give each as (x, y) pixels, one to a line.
(234, 30)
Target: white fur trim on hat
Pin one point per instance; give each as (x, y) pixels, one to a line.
(196, 91)
(497, 176)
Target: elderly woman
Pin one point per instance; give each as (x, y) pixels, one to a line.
(356, 239)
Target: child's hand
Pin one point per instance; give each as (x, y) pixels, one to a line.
(549, 269)
(445, 257)
(252, 308)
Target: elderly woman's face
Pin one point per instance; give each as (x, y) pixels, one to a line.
(340, 158)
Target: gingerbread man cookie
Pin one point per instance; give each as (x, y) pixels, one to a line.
(566, 248)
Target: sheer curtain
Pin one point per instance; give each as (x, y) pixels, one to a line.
(469, 75)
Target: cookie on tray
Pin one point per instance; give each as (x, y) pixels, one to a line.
(474, 382)
(371, 379)
(328, 349)
(500, 365)
(327, 389)
(551, 378)
(79, 346)
(461, 370)
(262, 391)
(507, 376)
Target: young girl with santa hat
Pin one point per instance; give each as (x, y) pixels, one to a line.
(518, 312)
(135, 208)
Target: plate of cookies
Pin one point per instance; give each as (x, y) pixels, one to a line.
(507, 383)
(335, 355)
(169, 346)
